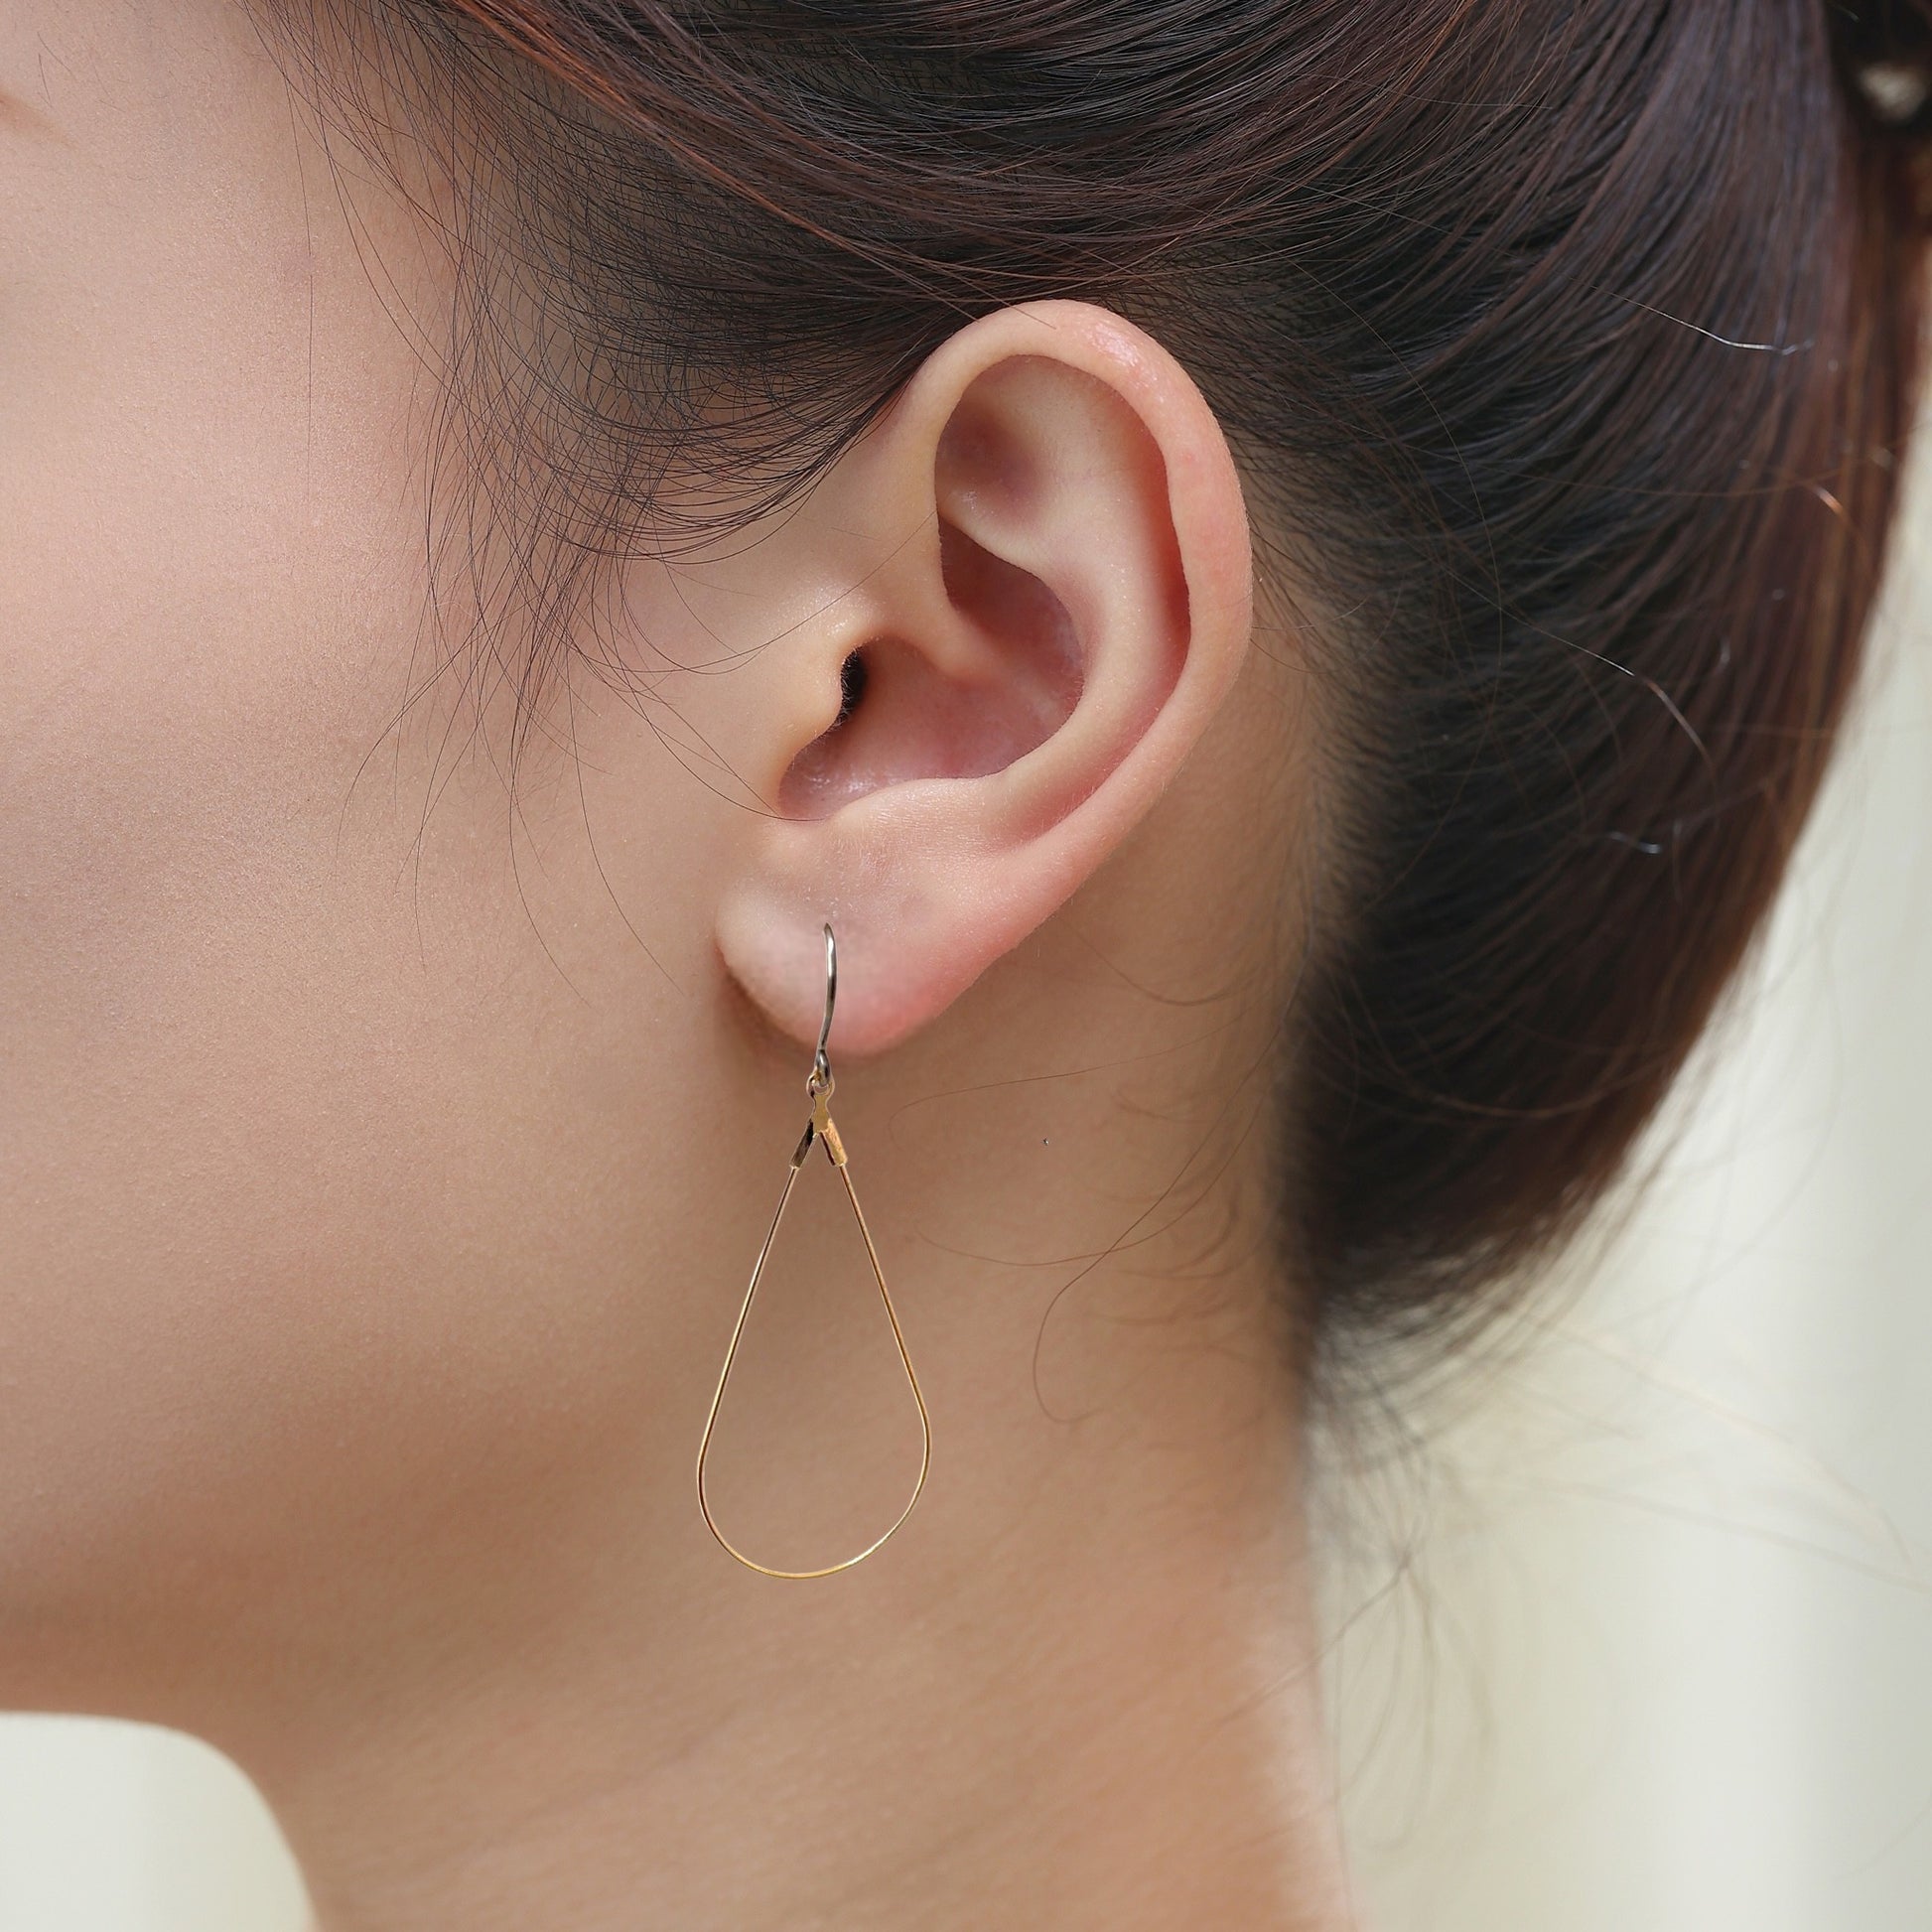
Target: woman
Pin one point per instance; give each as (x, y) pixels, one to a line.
(1279, 575)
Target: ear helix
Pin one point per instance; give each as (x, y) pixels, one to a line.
(818, 1128)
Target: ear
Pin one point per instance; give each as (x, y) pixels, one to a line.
(1050, 594)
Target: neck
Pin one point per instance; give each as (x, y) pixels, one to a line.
(1077, 1688)
(1076, 1691)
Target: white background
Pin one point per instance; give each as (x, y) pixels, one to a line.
(1642, 1641)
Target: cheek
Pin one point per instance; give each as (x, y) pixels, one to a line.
(208, 582)
(255, 1013)
(348, 1147)
(243, 1104)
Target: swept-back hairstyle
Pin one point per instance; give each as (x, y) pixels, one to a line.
(1568, 347)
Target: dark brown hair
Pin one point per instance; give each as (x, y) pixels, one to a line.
(1568, 347)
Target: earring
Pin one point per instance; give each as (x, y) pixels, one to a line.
(818, 1086)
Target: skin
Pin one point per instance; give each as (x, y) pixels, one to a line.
(383, 1145)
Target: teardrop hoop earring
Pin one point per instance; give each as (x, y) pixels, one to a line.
(818, 1086)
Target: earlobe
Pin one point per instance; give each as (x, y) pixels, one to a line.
(1058, 600)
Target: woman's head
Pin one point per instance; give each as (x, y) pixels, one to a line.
(499, 560)
(1564, 360)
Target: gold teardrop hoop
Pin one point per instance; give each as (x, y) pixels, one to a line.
(819, 1128)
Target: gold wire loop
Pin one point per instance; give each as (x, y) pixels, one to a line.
(818, 1086)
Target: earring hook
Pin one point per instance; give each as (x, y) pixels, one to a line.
(821, 1073)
